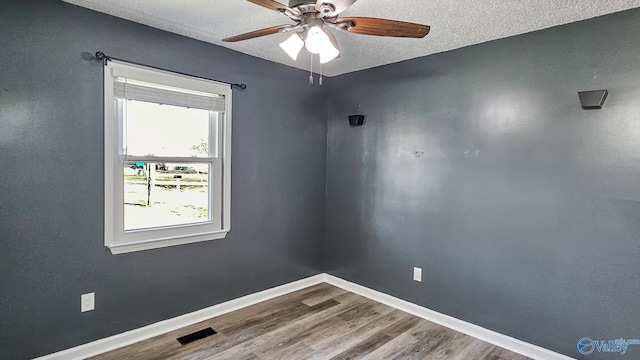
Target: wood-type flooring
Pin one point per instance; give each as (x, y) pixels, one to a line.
(319, 322)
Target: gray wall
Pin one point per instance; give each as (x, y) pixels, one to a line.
(51, 188)
(479, 166)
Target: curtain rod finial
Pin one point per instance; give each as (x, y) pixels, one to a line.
(100, 56)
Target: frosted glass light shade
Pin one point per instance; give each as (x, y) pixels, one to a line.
(330, 51)
(328, 55)
(322, 42)
(292, 46)
(316, 40)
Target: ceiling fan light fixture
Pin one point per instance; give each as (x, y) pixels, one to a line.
(292, 46)
(323, 43)
(328, 55)
(316, 40)
(330, 50)
(312, 16)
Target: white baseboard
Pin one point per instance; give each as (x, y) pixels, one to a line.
(127, 338)
(492, 337)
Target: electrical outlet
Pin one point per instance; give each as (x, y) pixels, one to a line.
(87, 302)
(417, 274)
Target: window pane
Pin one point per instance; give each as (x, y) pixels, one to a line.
(164, 194)
(165, 130)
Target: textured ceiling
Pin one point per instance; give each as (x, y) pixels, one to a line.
(454, 24)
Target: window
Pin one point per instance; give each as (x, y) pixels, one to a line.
(167, 158)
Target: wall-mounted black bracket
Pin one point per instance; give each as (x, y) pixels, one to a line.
(592, 99)
(356, 120)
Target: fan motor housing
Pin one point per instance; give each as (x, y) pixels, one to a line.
(294, 3)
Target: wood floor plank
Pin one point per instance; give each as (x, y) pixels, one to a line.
(237, 336)
(355, 331)
(428, 342)
(354, 321)
(160, 346)
(456, 344)
(267, 308)
(392, 348)
(257, 327)
(317, 323)
(475, 350)
(295, 351)
(497, 353)
(383, 309)
(282, 337)
(329, 293)
(372, 342)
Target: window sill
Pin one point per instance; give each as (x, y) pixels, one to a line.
(160, 243)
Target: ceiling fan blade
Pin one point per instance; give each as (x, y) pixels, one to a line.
(381, 27)
(333, 7)
(258, 33)
(273, 5)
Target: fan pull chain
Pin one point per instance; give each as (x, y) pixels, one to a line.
(311, 72)
(320, 82)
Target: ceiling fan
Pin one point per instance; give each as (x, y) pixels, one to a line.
(311, 19)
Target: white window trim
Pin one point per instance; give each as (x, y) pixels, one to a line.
(113, 161)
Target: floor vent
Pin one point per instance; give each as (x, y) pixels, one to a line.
(184, 340)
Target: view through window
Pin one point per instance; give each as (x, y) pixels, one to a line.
(158, 194)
